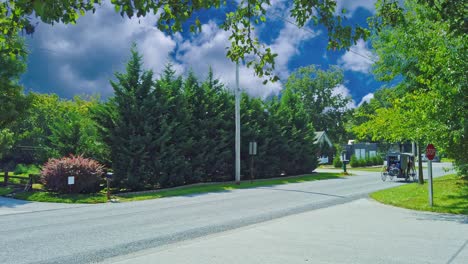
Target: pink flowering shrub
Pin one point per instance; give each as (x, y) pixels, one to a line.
(87, 172)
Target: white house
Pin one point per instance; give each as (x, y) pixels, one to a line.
(324, 143)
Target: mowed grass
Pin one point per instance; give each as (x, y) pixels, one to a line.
(61, 198)
(220, 187)
(450, 196)
(5, 190)
(185, 190)
(372, 169)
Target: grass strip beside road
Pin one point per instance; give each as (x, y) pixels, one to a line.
(61, 198)
(450, 196)
(5, 190)
(179, 191)
(220, 187)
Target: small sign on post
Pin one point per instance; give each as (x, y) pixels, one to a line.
(430, 154)
(252, 153)
(253, 148)
(71, 181)
(108, 178)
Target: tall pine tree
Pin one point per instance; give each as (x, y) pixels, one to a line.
(130, 136)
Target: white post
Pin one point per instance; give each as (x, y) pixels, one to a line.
(237, 125)
(429, 170)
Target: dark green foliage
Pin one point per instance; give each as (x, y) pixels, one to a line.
(211, 109)
(326, 109)
(361, 163)
(379, 160)
(298, 134)
(337, 163)
(13, 102)
(176, 131)
(26, 169)
(52, 127)
(354, 162)
(131, 133)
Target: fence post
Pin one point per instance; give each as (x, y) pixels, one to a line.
(5, 178)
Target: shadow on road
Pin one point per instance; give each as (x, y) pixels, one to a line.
(317, 193)
(462, 219)
(11, 203)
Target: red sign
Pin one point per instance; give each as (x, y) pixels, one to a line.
(430, 152)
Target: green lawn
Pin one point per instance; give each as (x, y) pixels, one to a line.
(186, 190)
(5, 190)
(450, 196)
(226, 187)
(348, 168)
(61, 198)
(373, 169)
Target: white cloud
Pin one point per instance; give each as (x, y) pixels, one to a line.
(352, 5)
(209, 50)
(83, 85)
(358, 58)
(344, 92)
(287, 45)
(366, 98)
(82, 58)
(87, 54)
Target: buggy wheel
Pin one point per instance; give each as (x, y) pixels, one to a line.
(383, 173)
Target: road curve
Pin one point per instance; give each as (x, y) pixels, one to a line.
(86, 234)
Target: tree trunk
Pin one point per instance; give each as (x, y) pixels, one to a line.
(420, 166)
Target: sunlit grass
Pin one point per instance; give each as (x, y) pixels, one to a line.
(450, 196)
(220, 187)
(181, 191)
(5, 190)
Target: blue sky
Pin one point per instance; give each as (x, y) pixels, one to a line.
(80, 59)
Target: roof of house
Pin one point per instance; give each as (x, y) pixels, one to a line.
(321, 136)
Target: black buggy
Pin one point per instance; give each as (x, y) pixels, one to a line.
(399, 165)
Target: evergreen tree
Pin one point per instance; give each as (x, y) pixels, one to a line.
(129, 137)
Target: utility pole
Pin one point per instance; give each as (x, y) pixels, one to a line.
(237, 92)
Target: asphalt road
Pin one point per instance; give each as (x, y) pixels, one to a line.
(362, 231)
(32, 233)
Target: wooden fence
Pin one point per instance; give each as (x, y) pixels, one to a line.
(26, 181)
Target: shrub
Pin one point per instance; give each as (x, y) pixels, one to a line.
(26, 169)
(87, 172)
(337, 163)
(375, 160)
(353, 162)
(369, 161)
(20, 169)
(362, 162)
(379, 160)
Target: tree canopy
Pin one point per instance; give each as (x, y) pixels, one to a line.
(424, 56)
(175, 15)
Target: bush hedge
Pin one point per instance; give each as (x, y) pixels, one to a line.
(87, 172)
(370, 161)
(337, 163)
(26, 169)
